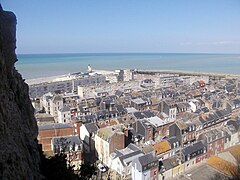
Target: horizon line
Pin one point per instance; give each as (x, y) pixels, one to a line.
(54, 53)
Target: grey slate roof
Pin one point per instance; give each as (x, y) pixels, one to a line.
(102, 114)
(68, 143)
(121, 109)
(133, 147)
(70, 139)
(65, 109)
(148, 114)
(91, 127)
(90, 118)
(118, 93)
(144, 160)
(98, 100)
(205, 109)
(129, 156)
(172, 140)
(54, 126)
(138, 115)
(235, 123)
(169, 163)
(57, 98)
(193, 148)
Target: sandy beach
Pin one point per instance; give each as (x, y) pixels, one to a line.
(60, 77)
(105, 72)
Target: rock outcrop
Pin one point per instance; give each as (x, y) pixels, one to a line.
(19, 155)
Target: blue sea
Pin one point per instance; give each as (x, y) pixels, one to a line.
(43, 65)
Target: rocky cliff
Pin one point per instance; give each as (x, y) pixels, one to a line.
(19, 156)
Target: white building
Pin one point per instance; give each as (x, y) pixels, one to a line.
(56, 103)
(166, 80)
(198, 78)
(231, 136)
(90, 91)
(64, 115)
(87, 135)
(128, 75)
(107, 140)
(121, 160)
(145, 167)
(65, 84)
(115, 76)
(45, 101)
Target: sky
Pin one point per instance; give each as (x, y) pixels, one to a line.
(108, 26)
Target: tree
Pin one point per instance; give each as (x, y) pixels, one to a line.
(59, 168)
(56, 167)
(87, 171)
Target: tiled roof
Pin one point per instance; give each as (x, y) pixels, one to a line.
(181, 124)
(147, 149)
(161, 147)
(221, 165)
(235, 151)
(107, 132)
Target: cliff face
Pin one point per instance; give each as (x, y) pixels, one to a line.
(19, 156)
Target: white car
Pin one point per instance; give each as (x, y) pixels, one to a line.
(101, 167)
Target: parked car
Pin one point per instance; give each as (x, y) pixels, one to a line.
(101, 167)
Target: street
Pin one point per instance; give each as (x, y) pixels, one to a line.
(201, 172)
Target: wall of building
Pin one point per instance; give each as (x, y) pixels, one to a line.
(102, 150)
(45, 137)
(37, 90)
(85, 137)
(63, 117)
(136, 175)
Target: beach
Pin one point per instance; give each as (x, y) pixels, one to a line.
(33, 66)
